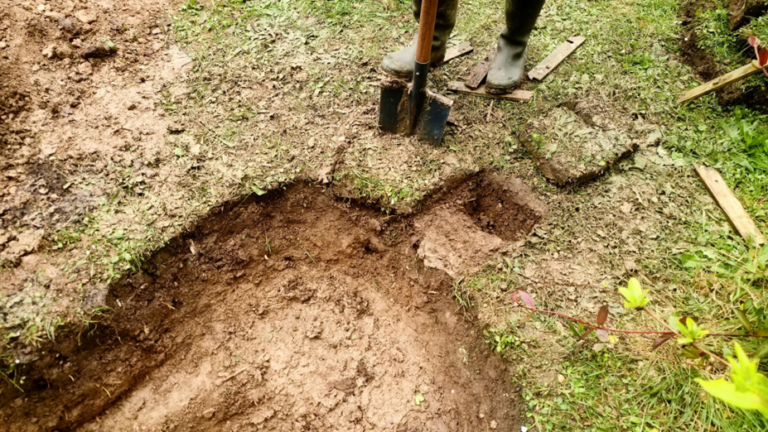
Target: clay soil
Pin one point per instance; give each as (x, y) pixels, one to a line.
(295, 311)
(704, 64)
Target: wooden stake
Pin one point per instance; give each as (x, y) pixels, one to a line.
(479, 72)
(457, 51)
(557, 56)
(720, 82)
(515, 95)
(727, 201)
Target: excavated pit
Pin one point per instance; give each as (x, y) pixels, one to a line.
(296, 311)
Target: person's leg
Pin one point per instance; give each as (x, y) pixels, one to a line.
(508, 66)
(400, 63)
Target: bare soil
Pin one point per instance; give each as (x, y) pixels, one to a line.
(704, 64)
(72, 111)
(295, 311)
(740, 12)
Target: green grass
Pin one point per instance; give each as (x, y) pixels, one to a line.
(758, 27)
(697, 264)
(716, 38)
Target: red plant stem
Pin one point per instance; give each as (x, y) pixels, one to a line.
(596, 327)
(663, 324)
(720, 359)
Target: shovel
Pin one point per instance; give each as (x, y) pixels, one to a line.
(416, 111)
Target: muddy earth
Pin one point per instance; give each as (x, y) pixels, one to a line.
(296, 311)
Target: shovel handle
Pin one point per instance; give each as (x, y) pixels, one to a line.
(426, 30)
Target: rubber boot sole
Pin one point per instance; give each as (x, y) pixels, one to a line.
(409, 75)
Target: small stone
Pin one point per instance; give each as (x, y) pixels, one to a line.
(630, 265)
(494, 424)
(97, 51)
(85, 68)
(175, 128)
(85, 17)
(626, 208)
(64, 52)
(209, 413)
(3, 45)
(49, 51)
(54, 16)
(481, 416)
(131, 107)
(116, 26)
(156, 31)
(41, 8)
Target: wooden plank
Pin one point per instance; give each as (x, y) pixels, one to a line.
(727, 201)
(457, 51)
(479, 72)
(515, 95)
(556, 57)
(720, 82)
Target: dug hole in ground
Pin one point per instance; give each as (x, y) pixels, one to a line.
(298, 311)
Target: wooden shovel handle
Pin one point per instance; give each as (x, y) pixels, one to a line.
(426, 30)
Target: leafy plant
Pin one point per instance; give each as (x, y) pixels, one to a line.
(761, 54)
(747, 388)
(688, 328)
(634, 296)
(499, 340)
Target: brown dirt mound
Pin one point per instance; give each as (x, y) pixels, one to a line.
(297, 311)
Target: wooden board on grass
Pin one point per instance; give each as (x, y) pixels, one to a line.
(515, 95)
(457, 51)
(720, 82)
(557, 56)
(727, 201)
(479, 72)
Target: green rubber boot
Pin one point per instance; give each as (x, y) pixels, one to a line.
(400, 63)
(509, 65)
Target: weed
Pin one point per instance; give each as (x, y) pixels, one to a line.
(500, 340)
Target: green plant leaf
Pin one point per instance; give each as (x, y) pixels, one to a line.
(690, 331)
(419, 399)
(744, 320)
(634, 296)
(747, 389)
(726, 392)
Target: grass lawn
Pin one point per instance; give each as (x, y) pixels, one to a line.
(282, 90)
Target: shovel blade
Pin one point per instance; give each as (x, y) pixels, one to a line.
(431, 118)
(393, 109)
(431, 121)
